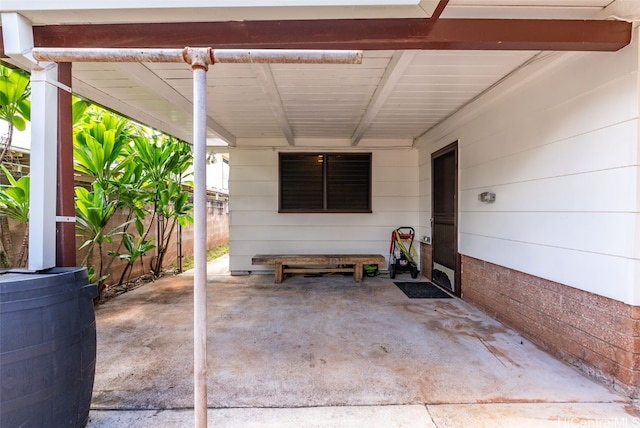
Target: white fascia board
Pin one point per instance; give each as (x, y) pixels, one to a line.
(82, 11)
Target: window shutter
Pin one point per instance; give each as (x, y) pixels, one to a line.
(301, 182)
(334, 182)
(348, 182)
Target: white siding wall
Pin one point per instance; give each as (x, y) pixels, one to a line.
(558, 144)
(258, 228)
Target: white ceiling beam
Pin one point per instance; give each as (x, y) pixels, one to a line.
(270, 88)
(102, 98)
(393, 73)
(147, 78)
(621, 9)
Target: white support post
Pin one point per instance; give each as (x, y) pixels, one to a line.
(44, 158)
(17, 37)
(200, 242)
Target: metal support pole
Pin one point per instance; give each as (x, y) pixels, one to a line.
(200, 59)
(200, 241)
(207, 55)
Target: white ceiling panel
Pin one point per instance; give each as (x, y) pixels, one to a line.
(391, 95)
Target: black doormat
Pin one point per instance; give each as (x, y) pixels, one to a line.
(422, 290)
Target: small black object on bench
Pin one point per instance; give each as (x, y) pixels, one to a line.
(317, 263)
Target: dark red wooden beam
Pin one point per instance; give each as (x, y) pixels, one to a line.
(366, 34)
(442, 4)
(65, 231)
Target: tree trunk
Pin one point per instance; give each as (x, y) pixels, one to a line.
(111, 260)
(23, 255)
(101, 284)
(7, 240)
(165, 246)
(7, 144)
(156, 262)
(127, 268)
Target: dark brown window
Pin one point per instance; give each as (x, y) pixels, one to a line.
(325, 182)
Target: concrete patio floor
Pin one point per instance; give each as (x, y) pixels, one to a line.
(328, 352)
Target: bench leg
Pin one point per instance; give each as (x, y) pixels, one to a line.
(357, 272)
(279, 273)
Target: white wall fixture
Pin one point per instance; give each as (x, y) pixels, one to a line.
(487, 197)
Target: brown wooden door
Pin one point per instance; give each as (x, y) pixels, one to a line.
(444, 230)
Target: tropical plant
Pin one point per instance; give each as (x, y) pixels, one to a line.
(173, 208)
(79, 109)
(93, 277)
(14, 203)
(165, 161)
(99, 144)
(135, 251)
(126, 190)
(15, 106)
(93, 212)
(99, 141)
(15, 109)
(129, 170)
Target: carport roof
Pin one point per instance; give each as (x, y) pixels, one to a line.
(424, 60)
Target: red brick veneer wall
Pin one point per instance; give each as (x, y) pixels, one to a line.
(600, 336)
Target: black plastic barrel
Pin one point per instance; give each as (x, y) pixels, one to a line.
(47, 348)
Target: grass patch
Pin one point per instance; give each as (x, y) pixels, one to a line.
(214, 253)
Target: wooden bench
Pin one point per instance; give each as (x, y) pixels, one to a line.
(318, 263)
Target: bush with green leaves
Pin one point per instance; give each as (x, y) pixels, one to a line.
(129, 167)
(165, 163)
(15, 104)
(14, 203)
(15, 110)
(139, 172)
